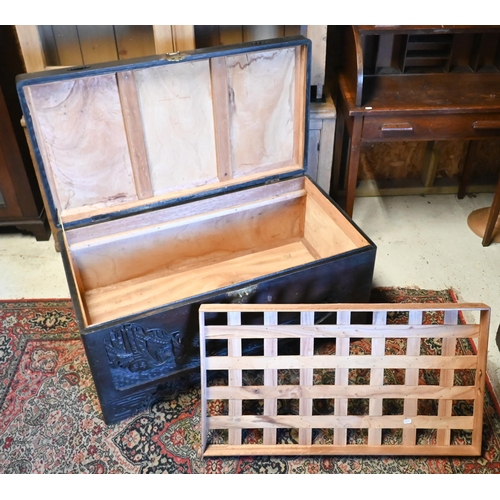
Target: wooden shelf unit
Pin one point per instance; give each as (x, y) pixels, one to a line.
(45, 46)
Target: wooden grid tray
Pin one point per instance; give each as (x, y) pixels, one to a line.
(252, 406)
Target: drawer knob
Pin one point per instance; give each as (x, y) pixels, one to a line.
(486, 124)
(396, 127)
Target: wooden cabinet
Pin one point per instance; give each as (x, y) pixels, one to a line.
(415, 83)
(322, 122)
(20, 200)
(18, 206)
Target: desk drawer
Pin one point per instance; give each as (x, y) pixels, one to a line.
(431, 127)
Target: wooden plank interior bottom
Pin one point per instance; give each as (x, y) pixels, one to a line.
(163, 287)
(129, 265)
(407, 400)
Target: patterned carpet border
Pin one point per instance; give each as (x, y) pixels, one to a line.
(50, 419)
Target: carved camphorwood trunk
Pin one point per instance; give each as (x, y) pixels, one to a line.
(177, 181)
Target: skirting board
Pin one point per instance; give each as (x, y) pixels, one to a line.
(235, 328)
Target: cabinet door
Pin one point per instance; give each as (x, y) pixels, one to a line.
(9, 161)
(17, 202)
(9, 208)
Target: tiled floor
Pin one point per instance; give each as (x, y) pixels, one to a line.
(422, 241)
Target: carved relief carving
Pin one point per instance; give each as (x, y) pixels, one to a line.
(133, 348)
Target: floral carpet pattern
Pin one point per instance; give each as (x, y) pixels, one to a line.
(50, 420)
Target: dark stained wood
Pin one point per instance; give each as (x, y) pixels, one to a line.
(442, 92)
(22, 204)
(230, 34)
(134, 41)
(492, 217)
(18, 207)
(359, 69)
(424, 29)
(443, 85)
(352, 171)
(337, 155)
(207, 35)
(97, 43)
(461, 52)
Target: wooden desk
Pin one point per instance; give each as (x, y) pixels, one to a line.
(415, 83)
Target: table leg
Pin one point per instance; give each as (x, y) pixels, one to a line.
(353, 165)
(337, 156)
(468, 167)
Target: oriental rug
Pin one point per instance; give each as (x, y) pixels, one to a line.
(50, 420)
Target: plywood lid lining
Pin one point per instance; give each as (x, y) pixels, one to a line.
(119, 140)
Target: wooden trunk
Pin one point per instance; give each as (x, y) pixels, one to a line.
(178, 181)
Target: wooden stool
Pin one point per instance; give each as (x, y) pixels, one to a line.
(485, 221)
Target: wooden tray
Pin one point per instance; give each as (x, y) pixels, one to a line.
(229, 428)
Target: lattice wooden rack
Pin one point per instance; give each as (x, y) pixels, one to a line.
(431, 413)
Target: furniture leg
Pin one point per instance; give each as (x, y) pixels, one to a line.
(353, 165)
(492, 217)
(468, 167)
(337, 156)
(428, 173)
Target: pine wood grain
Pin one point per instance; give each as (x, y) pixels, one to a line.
(446, 378)
(185, 127)
(411, 380)
(176, 108)
(31, 47)
(341, 391)
(221, 118)
(80, 130)
(270, 379)
(224, 204)
(135, 135)
(215, 242)
(377, 379)
(234, 380)
(262, 98)
(376, 393)
(148, 292)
